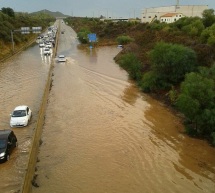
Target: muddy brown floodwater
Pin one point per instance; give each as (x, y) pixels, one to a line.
(22, 82)
(102, 135)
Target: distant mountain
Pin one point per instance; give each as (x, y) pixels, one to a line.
(54, 14)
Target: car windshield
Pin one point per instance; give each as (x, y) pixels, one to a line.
(19, 113)
(3, 143)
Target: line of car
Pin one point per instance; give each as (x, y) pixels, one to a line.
(21, 115)
(47, 40)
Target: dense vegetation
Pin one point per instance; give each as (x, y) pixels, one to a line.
(9, 20)
(174, 62)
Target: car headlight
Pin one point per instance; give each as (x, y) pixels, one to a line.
(2, 154)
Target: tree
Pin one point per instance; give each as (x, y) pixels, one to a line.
(208, 35)
(132, 65)
(83, 35)
(197, 101)
(149, 82)
(208, 17)
(172, 61)
(8, 11)
(194, 28)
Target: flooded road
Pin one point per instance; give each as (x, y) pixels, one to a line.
(22, 81)
(101, 135)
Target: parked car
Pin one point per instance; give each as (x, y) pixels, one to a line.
(8, 142)
(61, 58)
(20, 116)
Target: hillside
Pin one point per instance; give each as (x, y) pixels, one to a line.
(53, 14)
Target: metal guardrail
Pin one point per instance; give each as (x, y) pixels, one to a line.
(31, 167)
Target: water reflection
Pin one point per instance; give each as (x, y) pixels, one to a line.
(130, 94)
(93, 55)
(191, 155)
(46, 59)
(22, 81)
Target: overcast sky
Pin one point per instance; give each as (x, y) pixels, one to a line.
(95, 8)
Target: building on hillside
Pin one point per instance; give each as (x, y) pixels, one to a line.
(171, 17)
(155, 13)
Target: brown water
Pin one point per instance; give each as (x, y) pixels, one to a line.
(22, 81)
(101, 135)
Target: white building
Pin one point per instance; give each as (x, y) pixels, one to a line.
(171, 17)
(150, 14)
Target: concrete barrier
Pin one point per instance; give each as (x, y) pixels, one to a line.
(31, 167)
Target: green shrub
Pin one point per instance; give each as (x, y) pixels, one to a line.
(173, 94)
(149, 81)
(132, 65)
(157, 25)
(83, 35)
(172, 61)
(211, 40)
(124, 40)
(197, 100)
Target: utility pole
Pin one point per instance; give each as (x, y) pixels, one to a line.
(177, 2)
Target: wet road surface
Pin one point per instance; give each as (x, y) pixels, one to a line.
(22, 81)
(101, 135)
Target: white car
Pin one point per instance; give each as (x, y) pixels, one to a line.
(47, 51)
(49, 45)
(20, 116)
(41, 45)
(61, 58)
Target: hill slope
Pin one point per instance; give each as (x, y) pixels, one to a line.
(53, 14)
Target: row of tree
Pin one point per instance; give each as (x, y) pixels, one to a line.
(196, 27)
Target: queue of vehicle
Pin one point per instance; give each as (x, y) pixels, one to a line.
(21, 115)
(47, 41)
